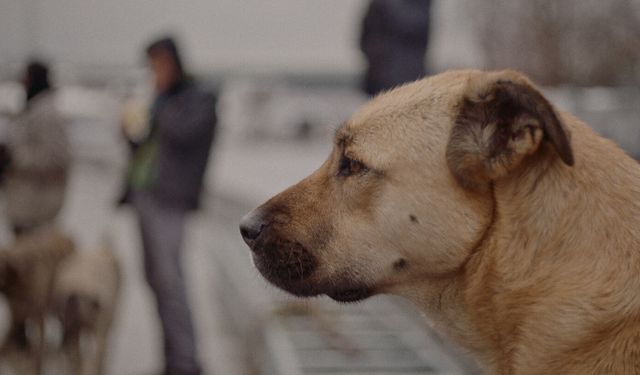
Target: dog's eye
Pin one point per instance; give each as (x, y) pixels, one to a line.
(350, 167)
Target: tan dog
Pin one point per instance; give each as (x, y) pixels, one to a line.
(85, 297)
(27, 271)
(513, 226)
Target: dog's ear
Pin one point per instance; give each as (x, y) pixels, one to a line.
(501, 119)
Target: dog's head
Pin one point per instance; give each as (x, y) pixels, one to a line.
(406, 192)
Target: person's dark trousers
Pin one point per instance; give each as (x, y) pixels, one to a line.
(162, 230)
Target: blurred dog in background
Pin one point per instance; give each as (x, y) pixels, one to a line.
(27, 273)
(61, 302)
(84, 300)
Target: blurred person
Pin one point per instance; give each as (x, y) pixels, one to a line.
(35, 159)
(393, 39)
(164, 183)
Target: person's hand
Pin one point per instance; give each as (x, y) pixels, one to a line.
(135, 121)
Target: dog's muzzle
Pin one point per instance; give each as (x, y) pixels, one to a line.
(280, 260)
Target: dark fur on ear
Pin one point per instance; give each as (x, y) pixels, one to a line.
(501, 120)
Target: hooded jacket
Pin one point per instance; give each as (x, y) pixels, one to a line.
(183, 123)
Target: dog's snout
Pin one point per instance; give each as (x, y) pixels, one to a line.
(251, 226)
(251, 230)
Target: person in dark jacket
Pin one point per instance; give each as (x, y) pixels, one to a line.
(165, 180)
(394, 40)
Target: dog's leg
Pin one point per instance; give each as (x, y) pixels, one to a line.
(17, 335)
(39, 350)
(71, 349)
(102, 337)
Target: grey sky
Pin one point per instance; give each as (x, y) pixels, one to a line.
(290, 35)
(224, 33)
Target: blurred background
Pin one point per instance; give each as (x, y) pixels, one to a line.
(286, 73)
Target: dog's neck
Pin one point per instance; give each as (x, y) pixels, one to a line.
(546, 236)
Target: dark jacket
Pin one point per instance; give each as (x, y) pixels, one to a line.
(183, 124)
(394, 41)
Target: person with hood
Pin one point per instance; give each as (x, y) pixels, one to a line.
(164, 183)
(35, 159)
(393, 39)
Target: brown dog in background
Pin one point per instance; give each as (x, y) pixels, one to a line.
(27, 272)
(85, 298)
(512, 225)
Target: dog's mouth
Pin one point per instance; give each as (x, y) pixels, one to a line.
(295, 275)
(351, 295)
(284, 263)
(290, 266)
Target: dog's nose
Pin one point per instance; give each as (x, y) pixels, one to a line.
(251, 226)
